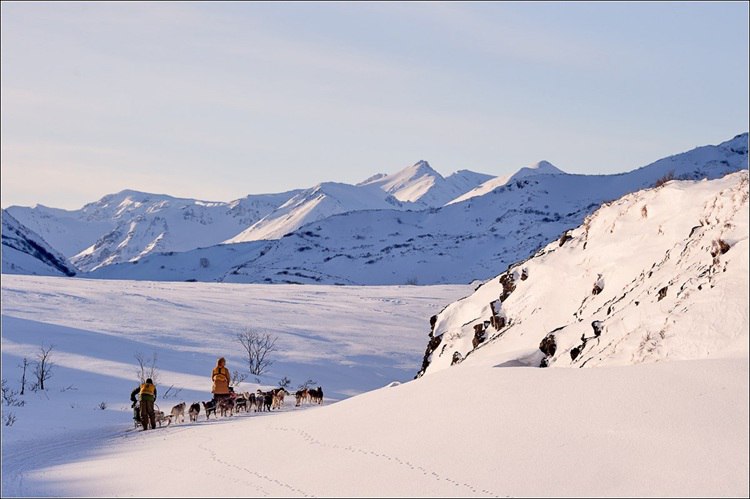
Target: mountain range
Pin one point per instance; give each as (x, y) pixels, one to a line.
(411, 227)
(612, 363)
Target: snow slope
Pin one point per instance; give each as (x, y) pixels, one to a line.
(311, 205)
(660, 274)
(25, 252)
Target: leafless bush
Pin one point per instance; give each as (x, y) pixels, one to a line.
(43, 366)
(171, 393)
(24, 366)
(10, 396)
(147, 368)
(102, 405)
(237, 378)
(285, 383)
(258, 347)
(9, 418)
(666, 178)
(307, 384)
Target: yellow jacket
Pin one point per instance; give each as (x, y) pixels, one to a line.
(148, 391)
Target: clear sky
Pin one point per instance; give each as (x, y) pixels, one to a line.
(218, 100)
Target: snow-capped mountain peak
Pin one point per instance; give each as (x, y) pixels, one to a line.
(421, 185)
(409, 184)
(539, 168)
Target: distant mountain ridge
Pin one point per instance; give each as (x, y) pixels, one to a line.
(382, 231)
(129, 225)
(25, 252)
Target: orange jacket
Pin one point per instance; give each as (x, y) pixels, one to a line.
(220, 377)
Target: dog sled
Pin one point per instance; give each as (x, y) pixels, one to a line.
(159, 416)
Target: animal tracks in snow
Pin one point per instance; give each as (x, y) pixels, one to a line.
(246, 473)
(462, 487)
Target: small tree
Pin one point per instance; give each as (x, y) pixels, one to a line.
(23, 376)
(307, 384)
(44, 365)
(237, 378)
(285, 383)
(147, 368)
(9, 395)
(258, 347)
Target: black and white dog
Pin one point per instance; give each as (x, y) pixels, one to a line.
(210, 407)
(195, 409)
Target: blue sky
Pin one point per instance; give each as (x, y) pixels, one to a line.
(220, 100)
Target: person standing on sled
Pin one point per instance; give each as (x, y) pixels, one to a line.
(147, 393)
(220, 378)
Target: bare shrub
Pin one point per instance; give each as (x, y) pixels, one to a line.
(307, 384)
(258, 347)
(10, 396)
(147, 368)
(171, 393)
(102, 405)
(666, 178)
(9, 418)
(24, 366)
(43, 366)
(237, 378)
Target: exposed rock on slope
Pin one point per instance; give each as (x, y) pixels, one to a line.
(642, 280)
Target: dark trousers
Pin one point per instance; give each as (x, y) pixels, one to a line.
(147, 414)
(221, 396)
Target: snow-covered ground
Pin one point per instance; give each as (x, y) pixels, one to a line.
(487, 429)
(655, 404)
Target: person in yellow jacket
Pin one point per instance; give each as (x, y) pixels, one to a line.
(147, 392)
(220, 377)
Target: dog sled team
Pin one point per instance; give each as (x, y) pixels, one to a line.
(224, 402)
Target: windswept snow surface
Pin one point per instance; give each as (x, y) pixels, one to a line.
(482, 430)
